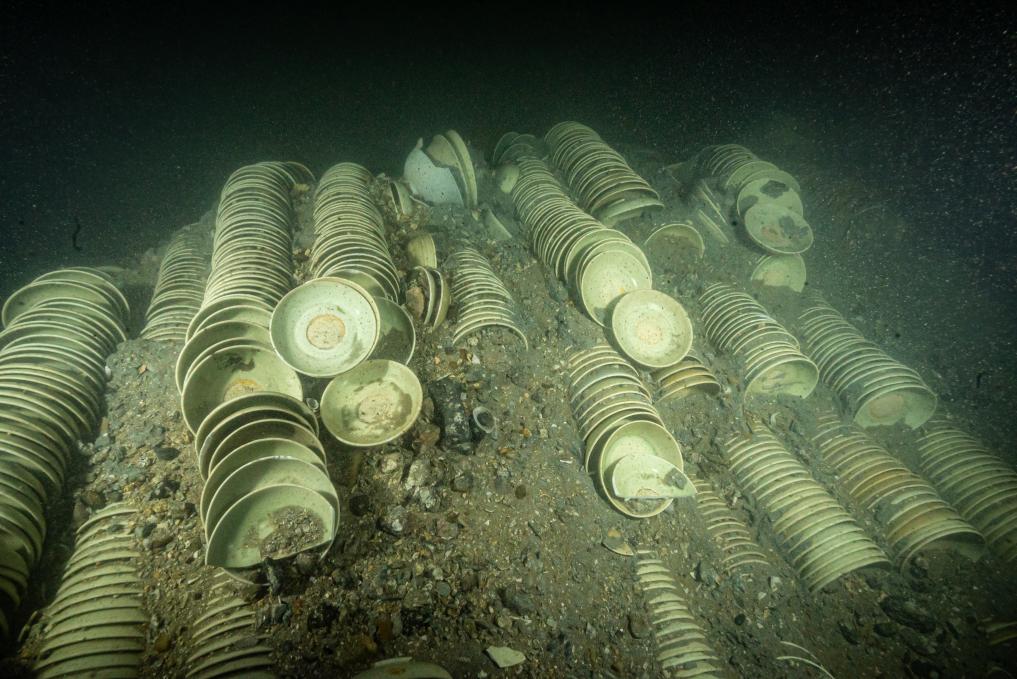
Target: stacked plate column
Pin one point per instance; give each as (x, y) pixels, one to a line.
(179, 288)
(771, 362)
(818, 537)
(911, 514)
(981, 486)
(877, 389)
(482, 299)
(58, 332)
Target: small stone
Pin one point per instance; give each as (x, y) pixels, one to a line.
(908, 613)
(463, 483)
(448, 530)
(849, 633)
(442, 589)
(420, 473)
(517, 600)
(164, 489)
(393, 521)
(81, 513)
(306, 563)
(520, 492)
(163, 643)
(885, 628)
(775, 582)
(639, 627)
(706, 574)
(740, 619)
(390, 463)
(160, 537)
(95, 499)
(166, 453)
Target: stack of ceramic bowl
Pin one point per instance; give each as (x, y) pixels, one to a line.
(912, 515)
(634, 459)
(372, 404)
(178, 290)
(817, 536)
(95, 626)
(878, 390)
(769, 355)
(708, 213)
(225, 640)
(59, 331)
(650, 329)
(603, 183)
(687, 376)
(267, 492)
(978, 483)
(482, 299)
(736, 167)
(434, 292)
(512, 146)
(252, 261)
(350, 232)
(442, 172)
(682, 646)
(598, 263)
(732, 536)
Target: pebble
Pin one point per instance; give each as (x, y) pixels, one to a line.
(94, 499)
(160, 537)
(393, 520)
(520, 492)
(360, 505)
(908, 613)
(448, 530)
(442, 589)
(420, 473)
(849, 633)
(517, 600)
(463, 483)
(166, 453)
(638, 626)
(306, 563)
(163, 643)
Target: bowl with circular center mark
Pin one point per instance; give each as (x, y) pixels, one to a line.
(651, 328)
(325, 327)
(371, 404)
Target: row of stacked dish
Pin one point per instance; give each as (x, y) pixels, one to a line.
(598, 263)
(350, 232)
(688, 375)
(770, 358)
(740, 551)
(604, 184)
(911, 514)
(978, 483)
(482, 299)
(818, 537)
(179, 288)
(267, 492)
(96, 624)
(633, 458)
(877, 389)
(225, 640)
(59, 331)
(682, 646)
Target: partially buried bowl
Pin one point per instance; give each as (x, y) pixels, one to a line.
(651, 328)
(325, 326)
(372, 403)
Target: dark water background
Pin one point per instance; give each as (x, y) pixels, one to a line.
(128, 124)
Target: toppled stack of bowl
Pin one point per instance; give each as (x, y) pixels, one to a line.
(740, 551)
(442, 172)
(978, 483)
(267, 492)
(225, 640)
(95, 626)
(912, 515)
(59, 331)
(433, 294)
(634, 459)
(178, 290)
(603, 183)
(766, 200)
(708, 212)
(350, 232)
(878, 390)
(599, 264)
(512, 147)
(682, 647)
(771, 362)
(821, 540)
(482, 299)
(688, 375)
